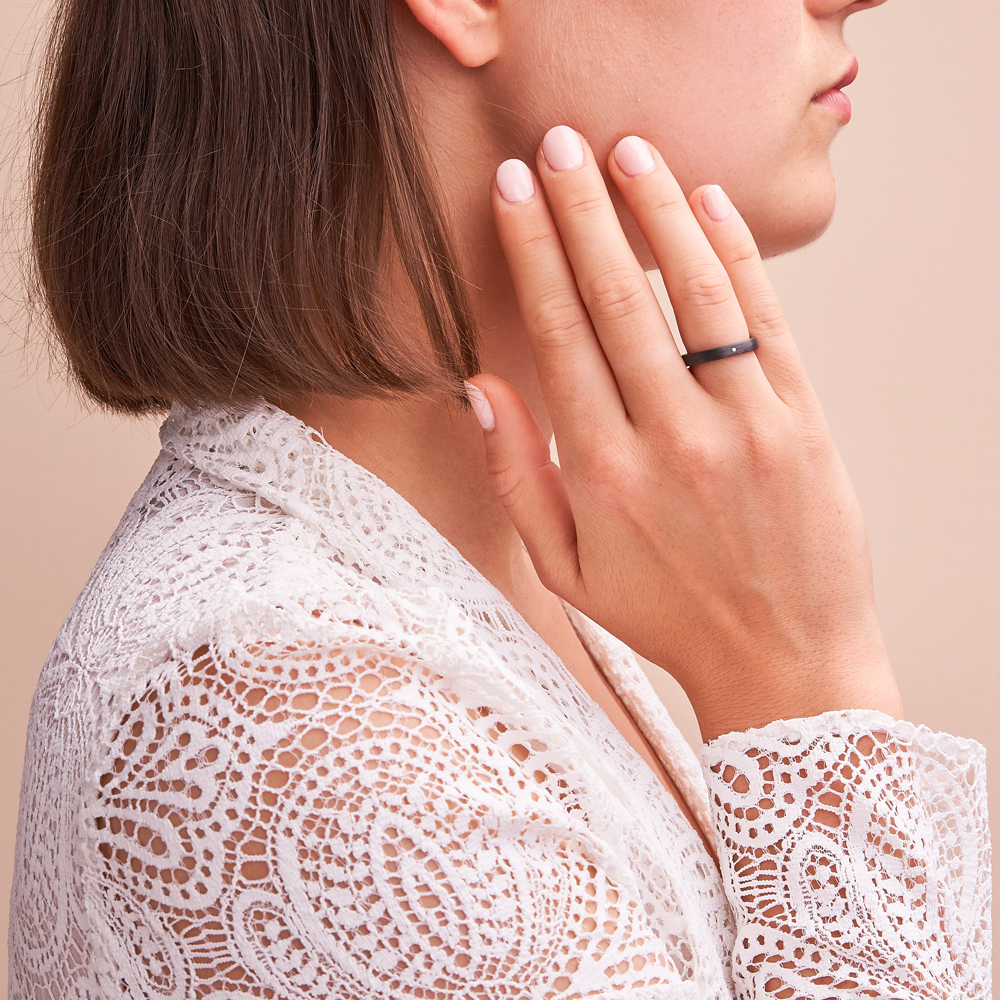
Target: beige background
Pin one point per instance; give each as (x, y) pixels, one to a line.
(896, 309)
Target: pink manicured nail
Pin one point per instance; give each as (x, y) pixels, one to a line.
(480, 404)
(514, 182)
(633, 156)
(717, 205)
(562, 148)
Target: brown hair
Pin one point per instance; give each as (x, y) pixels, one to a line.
(217, 187)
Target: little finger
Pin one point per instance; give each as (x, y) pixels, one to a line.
(734, 244)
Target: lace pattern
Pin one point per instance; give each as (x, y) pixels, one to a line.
(857, 854)
(289, 743)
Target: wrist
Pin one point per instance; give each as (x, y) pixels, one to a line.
(753, 700)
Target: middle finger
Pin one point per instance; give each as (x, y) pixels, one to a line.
(614, 289)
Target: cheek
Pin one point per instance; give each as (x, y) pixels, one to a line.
(728, 96)
(722, 89)
(728, 103)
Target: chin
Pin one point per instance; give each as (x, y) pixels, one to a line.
(787, 215)
(792, 214)
(789, 234)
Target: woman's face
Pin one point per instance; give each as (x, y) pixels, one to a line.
(726, 89)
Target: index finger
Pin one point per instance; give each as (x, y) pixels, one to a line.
(576, 379)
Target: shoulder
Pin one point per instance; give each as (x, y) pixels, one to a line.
(193, 548)
(308, 793)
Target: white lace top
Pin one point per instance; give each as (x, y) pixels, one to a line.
(290, 744)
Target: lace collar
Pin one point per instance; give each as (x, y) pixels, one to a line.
(267, 451)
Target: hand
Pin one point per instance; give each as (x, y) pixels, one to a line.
(704, 517)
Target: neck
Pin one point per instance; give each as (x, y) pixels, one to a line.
(430, 452)
(428, 449)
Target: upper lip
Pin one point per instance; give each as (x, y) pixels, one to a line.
(848, 77)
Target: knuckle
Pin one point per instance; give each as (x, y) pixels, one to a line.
(587, 203)
(507, 481)
(776, 445)
(769, 317)
(816, 440)
(665, 205)
(599, 467)
(742, 255)
(766, 449)
(705, 287)
(539, 244)
(601, 482)
(619, 292)
(555, 579)
(695, 457)
(557, 320)
(605, 468)
(669, 199)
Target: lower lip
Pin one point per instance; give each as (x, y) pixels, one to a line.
(837, 102)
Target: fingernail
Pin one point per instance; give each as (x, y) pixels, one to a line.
(562, 148)
(717, 205)
(514, 182)
(481, 405)
(633, 156)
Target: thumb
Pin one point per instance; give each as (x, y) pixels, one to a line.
(527, 481)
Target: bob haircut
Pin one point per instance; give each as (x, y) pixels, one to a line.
(218, 187)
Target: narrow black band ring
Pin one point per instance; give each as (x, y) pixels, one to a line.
(717, 353)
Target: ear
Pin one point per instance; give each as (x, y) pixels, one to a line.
(466, 28)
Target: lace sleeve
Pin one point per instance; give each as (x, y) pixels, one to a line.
(294, 822)
(856, 856)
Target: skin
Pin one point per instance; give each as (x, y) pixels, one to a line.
(704, 517)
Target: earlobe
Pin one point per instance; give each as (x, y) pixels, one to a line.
(466, 28)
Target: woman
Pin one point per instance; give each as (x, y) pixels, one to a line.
(348, 707)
